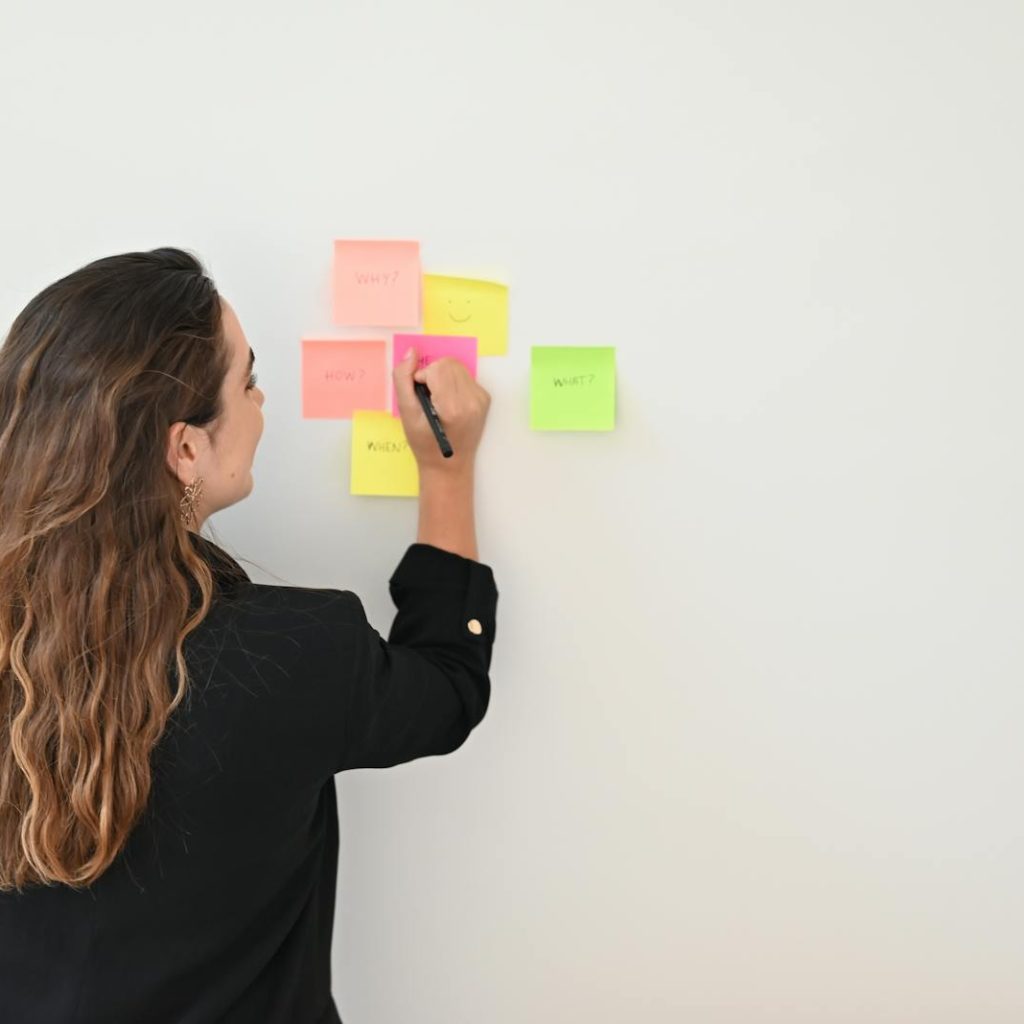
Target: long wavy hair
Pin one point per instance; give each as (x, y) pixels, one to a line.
(100, 581)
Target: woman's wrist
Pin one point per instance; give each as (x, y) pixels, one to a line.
(446, 511)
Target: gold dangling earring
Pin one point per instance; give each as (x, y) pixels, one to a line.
(188, 501)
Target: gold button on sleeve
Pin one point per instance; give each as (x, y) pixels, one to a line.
(474, 627)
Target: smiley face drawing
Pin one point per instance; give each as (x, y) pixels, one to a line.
(469, 307)
(459, 311)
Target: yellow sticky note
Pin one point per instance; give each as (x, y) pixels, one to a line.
(467, 307)
(382, 461)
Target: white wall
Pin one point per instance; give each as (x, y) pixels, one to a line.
(753, 753)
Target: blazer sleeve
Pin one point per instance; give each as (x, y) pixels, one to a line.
(423, 690)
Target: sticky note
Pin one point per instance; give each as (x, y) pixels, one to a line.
(429, 348)
(572, 388)
(382, 461)
(463, 305)
(339, 377)
(377, 284)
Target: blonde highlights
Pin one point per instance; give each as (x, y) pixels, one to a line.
(100, 582)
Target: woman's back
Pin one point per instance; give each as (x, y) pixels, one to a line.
(221, 906)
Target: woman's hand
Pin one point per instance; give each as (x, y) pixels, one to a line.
(461, 405)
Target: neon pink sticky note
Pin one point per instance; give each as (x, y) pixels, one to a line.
(430, 347)
(339, 377)
(377, 284)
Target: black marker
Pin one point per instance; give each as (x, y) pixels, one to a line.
(428, 407)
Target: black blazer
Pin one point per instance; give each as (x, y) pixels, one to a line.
(220, 908)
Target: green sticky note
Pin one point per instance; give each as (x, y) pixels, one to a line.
(572, 388)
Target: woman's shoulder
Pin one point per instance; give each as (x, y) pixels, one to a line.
(261, 605)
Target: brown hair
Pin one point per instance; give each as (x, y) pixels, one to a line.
(100, 581)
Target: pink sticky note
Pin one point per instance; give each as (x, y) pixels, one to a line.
(377, 284)
(341, 376)
(430, 347)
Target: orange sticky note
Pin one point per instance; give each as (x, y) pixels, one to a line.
(377, 284)
(339, 377)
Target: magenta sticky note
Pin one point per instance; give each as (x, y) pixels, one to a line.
(429, 348)
(377, 284)
(339, 377)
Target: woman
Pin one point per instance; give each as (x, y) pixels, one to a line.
(169, 730)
